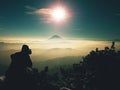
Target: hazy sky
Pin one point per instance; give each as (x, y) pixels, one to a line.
(91, 19)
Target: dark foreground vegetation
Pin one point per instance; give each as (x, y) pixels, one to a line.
(99, 70)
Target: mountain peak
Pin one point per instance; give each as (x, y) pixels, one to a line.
(55, 37)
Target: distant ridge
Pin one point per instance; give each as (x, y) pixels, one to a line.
(2, 43)
(55, 37)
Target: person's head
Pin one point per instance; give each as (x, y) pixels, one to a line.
(25, 49)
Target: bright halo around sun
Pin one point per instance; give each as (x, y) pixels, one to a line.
(59, 14)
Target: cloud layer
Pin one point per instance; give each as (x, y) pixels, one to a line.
(44, 13)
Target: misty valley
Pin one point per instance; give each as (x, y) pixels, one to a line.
(52, 53)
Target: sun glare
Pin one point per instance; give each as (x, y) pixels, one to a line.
(59, 14)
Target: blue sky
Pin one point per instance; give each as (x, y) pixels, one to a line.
(88, 19)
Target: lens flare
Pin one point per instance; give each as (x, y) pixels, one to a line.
(59, 14)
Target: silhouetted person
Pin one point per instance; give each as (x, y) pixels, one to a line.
(22, 59)
(21, 64)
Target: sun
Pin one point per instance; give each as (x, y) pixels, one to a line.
(59, 14)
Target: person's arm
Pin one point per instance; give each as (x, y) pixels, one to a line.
(29, 62)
